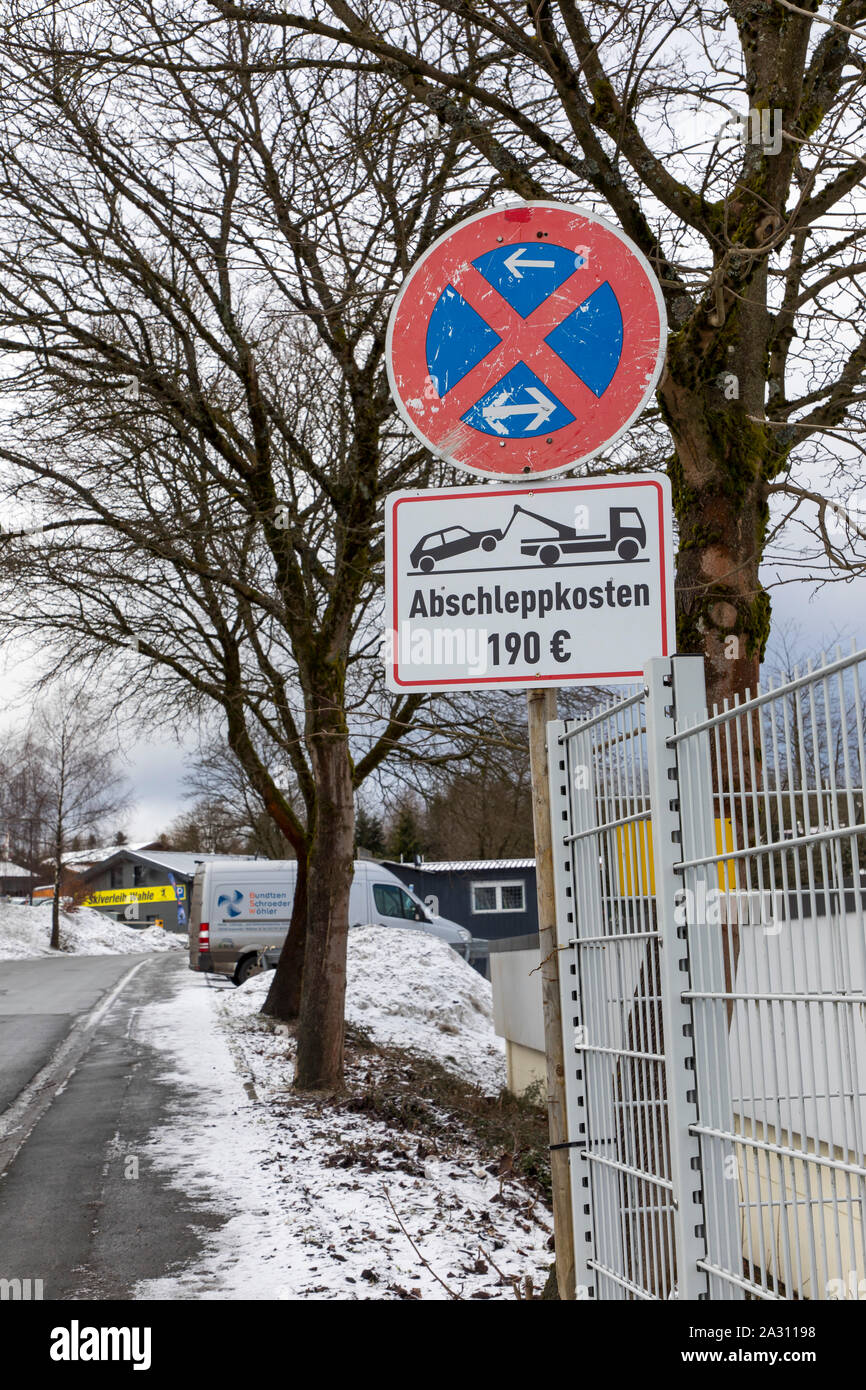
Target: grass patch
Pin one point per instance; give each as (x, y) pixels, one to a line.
(417, 1096)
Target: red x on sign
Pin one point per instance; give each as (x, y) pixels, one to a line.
(525, 340)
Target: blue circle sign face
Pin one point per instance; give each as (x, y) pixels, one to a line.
(526, 340)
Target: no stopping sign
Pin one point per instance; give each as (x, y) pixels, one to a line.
(526, 340)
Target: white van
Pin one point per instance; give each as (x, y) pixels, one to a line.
(241, 910)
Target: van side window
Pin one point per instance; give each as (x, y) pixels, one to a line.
(391, 901)
(387, 897)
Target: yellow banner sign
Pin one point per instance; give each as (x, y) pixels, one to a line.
(119, 897)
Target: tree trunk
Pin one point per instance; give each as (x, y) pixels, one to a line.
(723, 610)
(55, 906)
(284, 996)
(712, 397)
(331, 860)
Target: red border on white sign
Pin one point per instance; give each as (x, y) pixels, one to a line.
(557, 678)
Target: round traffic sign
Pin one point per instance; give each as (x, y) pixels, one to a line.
(526, 340)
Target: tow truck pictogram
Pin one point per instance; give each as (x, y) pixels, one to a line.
(626, 535)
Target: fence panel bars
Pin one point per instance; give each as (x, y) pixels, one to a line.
(710, 914)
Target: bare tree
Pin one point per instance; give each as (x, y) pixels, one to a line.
(80, 787)
(25, 795)
(207, 827)
(481, 815)
(194, 283)
(726, 139)
(811, 730)
(227, 816)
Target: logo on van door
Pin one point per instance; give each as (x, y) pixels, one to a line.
(232, 902)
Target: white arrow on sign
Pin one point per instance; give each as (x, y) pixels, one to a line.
(498, 411)
(517, 265)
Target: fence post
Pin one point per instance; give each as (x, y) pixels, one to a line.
(541, 709)
(572, 807)
(689, 1219)
(719, 1171)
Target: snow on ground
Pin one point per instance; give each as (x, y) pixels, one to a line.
(410, 989)
(26, 931)
(324, 1198)
(427, 1000)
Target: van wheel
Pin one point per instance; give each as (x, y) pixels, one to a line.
(246, 968)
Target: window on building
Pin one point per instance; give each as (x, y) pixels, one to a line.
(483, 897)
(498, 897)
(138, 874)
(116, 876)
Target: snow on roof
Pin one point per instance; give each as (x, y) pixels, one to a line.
(10, 870)
(182, 863)
(174, 861)
(446, 866)
(97, 854)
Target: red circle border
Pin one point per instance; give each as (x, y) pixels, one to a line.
(613, 257)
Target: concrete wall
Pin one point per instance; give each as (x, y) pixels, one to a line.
(526, 1068)
(518, 1017)
(811, 1054)
(807, 1233)
(798, 1078)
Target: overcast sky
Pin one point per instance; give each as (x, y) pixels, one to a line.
(155, 765)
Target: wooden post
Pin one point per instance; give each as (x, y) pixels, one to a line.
(541, 708)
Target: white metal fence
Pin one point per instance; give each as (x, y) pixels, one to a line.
(710, 907)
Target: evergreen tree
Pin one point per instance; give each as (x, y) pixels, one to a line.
(405, 839)
(369, 833)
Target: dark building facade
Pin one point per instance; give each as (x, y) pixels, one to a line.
(15, 880)
(159, 882)
(492, 898)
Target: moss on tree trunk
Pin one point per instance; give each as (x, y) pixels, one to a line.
(725, 457)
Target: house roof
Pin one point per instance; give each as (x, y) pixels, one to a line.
(174, 861)
(10, 870)
(82, 858)
(446, 866)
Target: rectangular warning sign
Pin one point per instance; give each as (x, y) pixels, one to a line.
(509, 586)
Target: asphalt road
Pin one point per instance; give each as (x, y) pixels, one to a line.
(39, 1001)
(70, 1214)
